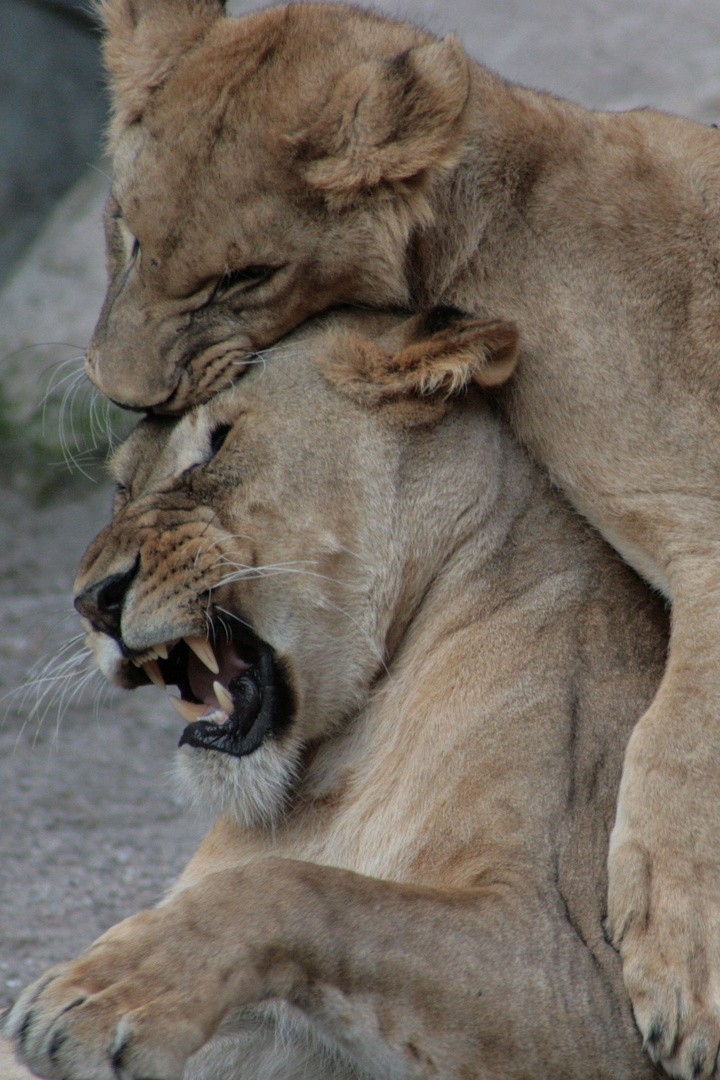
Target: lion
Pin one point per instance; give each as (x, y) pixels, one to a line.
(408, 671)
(269, 167)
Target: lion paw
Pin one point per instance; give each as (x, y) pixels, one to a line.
(664, 917)
(109, 1014)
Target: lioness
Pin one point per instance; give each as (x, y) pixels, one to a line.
(271, 166)
(408, 672)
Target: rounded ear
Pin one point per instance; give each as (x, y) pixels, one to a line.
(444, 351)
(143, 40)
(389, 121)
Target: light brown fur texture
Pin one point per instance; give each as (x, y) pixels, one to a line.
(271, 166)
(407, 876)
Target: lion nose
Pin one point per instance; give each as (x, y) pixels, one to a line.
(102, 602)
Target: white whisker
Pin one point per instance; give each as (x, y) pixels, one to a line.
(236, 618)
(270, 354)
(248, 573)
(53, 684)
(102, 173)
(55, 382)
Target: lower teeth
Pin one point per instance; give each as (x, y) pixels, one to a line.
(217, 716)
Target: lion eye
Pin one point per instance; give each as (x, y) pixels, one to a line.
(250, 277)
(218, 437)
(130, 242)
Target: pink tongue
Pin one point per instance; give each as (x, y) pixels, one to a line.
(201, 678)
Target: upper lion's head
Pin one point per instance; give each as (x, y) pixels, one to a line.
(265, 168)
(269, 549)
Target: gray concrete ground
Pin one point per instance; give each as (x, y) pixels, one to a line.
(89, 827)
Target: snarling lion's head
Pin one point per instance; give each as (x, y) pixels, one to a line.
(269, 549)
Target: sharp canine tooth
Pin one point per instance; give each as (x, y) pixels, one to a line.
(189, 712)
(161, 651)
(152, 670)
(224, 700)
(204, 652)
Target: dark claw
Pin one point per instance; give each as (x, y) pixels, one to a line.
(653, 1038)
(61, 1037)
(73, 1005)
(56, 1042)
(24, 1029)
(117, 1060)
(700, 1062)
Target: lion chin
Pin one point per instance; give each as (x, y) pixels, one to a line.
(251, 791)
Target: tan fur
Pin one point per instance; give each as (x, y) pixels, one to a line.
(408, 880)
(371, 163)
(10, 1067)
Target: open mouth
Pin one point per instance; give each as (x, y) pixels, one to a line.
(234, 693)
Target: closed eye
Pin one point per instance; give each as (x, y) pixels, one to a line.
(245, 279)
(218, 437)
(130, 241)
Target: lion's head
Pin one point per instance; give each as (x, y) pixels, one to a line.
(269, 549)
(265, 168)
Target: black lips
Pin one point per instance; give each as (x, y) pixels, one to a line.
(263, 706)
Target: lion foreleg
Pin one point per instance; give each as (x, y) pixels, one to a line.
(664, 865)
(405, 981)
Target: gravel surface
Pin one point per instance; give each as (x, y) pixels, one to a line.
(91, 830)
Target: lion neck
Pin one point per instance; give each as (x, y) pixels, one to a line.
(520, 558)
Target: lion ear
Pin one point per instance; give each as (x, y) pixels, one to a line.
(389, 121)
(143, 40)
(444, 351)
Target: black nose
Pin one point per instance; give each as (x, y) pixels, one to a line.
(102, 603)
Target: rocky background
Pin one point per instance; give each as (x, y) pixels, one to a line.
(90, 829)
